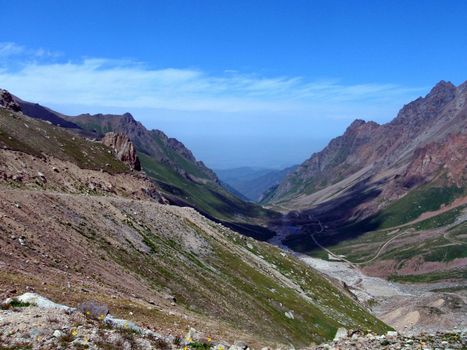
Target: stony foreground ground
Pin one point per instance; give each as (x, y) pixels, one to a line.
(47, 325)
(454, 340)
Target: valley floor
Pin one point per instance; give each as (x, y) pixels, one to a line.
(410, 308)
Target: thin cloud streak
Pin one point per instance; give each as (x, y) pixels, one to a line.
(10, 49)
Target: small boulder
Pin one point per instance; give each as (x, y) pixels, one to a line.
(239, 345)
(40, 301)
(193, 335)
(340, 334)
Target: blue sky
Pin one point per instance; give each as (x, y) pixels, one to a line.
(255, 83)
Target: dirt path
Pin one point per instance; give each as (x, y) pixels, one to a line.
(381, 248)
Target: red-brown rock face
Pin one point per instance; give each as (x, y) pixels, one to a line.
(123, 148)
(449, 154)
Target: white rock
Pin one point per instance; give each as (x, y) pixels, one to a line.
(120, 323)
(193, 335)
(289, 314)
(57, 333)
(340, 334)
(392, 334)
(40, 301)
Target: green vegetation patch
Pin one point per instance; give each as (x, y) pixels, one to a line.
(210, 199)
(447, 253)
(430, 277)
(423, 199)
(37, 137)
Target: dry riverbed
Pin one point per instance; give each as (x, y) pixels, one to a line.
(409, 308)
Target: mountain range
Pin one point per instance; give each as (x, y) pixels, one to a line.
(393, 158)
(97, 207)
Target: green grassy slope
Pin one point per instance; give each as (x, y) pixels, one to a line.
(428, 197)
(37, 137)
(246, 284)
(209, 199)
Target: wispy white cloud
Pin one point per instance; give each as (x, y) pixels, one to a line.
(108, 83)
(10, 49)
(232, 116)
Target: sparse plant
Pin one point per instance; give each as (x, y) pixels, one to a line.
(68, 337)
(199, 346)
(94, 310)
(177, 341)
(14, 303)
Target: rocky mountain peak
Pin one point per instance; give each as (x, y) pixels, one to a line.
(442, 93)
(123, 148)
(360, 124)
(416, 113)
(463, 87)
(7, 101)
(129, 117)
(357, 123)
(442, 88)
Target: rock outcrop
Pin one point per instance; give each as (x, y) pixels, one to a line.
(7, 101)
(123, 148)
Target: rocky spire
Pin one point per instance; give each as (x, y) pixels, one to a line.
(123, 148)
